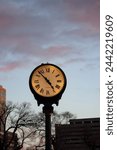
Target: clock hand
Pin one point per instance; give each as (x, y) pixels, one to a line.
(48, 81)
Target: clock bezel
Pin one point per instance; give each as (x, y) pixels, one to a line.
(42, 98)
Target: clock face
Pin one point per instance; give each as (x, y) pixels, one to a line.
(47, 80)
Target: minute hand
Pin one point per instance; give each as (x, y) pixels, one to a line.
(48, 81)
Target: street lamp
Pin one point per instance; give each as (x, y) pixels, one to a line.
(47, 82)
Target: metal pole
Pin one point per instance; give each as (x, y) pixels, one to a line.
(48, 110)
(48, 131)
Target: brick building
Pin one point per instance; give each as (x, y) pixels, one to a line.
(80, 134)
(2, 106)
(8, 136)
(2, 95)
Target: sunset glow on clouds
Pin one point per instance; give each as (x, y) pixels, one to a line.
(64, 32)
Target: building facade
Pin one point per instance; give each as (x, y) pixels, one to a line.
(80, 134)
(5, 138)
(2, 106)
(2, 95)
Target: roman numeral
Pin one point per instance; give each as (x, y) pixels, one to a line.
(36, 81)
(57, 75)
(42, 91)
(37, 86)
(47, 69)
(41, 71)
(57, 86)
(59, 81)
(53, 71)
(37, 75)
(47, 92)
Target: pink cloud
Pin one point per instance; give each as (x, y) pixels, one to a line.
(57, 50)
(35, 32)
(10, 66)
(7, 15)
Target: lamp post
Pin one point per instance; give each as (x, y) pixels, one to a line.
(47, 82)
(48, 110)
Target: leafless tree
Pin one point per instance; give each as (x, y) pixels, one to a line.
(21, 125)
(56, 118)
(16, 122)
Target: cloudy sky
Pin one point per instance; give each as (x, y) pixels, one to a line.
(62, 32)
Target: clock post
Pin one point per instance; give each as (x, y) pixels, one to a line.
(47, 82)
(48, 110)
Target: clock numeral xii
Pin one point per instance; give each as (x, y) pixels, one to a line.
(47, 69)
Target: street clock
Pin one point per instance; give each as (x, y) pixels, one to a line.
(47, 82)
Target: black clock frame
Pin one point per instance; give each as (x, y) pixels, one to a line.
(47, 100)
